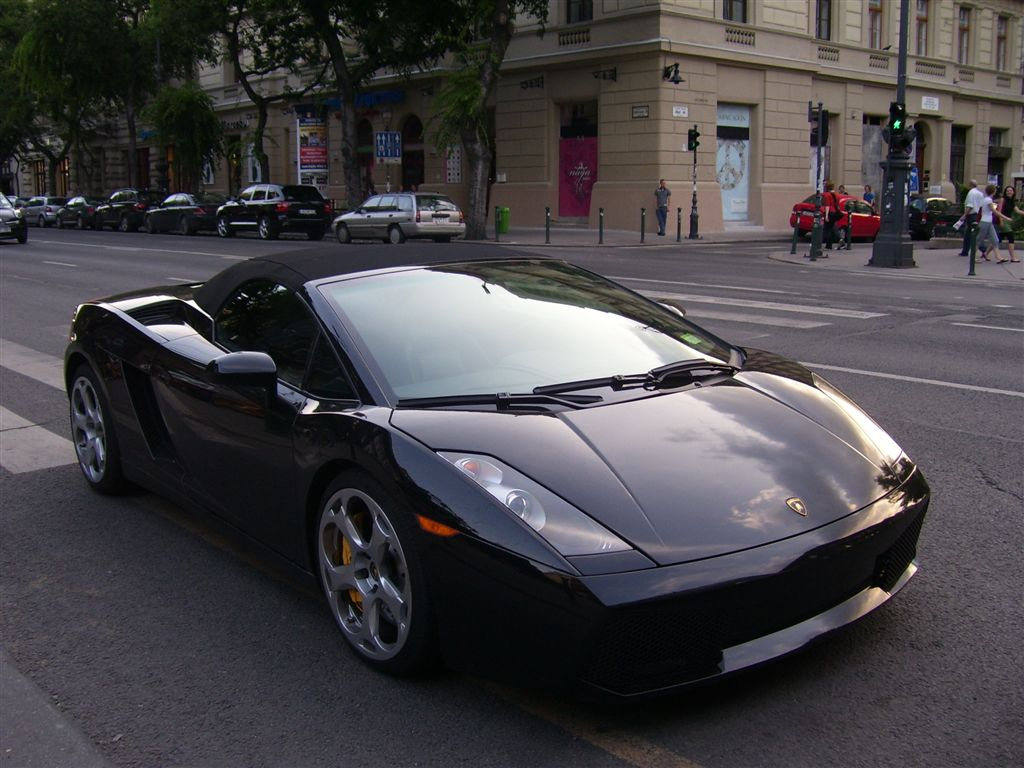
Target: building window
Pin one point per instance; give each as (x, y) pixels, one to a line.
(579, 10)
(823, 27)
(875, 24)
(921, 28)
(963, 36)
(957, 153)
(63, 177)
(735, 10)
(38, 177)
(1001, 26)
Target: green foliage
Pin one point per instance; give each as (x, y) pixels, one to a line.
(185, 117)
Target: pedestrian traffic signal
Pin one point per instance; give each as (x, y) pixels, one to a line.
(897, 118)
(692, 139)
(819, 127)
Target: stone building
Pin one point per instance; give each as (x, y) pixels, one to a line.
(595, 107)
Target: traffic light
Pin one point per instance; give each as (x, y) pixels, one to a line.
(692, 139)
(819, 127)
(897, 133)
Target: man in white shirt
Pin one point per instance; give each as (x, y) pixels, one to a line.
(972, 207)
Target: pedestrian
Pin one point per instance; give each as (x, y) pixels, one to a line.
(661, 196)
(988, 240)
(842, 189)
(869, 196)
(831, 214)
(1007, 210)
(972, 207)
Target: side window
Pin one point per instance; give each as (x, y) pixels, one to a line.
(259, 194)
(246, 194)
(372, 204)
(326, 377)
(262, 316)
(405, 203)
(389, 203)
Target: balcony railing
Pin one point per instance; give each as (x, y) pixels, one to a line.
(828, 53)
(573, 37)
(740, 36)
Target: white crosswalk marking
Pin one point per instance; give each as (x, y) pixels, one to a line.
(36, 365)
(25, 447)
(694, 298)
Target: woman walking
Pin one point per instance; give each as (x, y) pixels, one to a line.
(1007, 209)
(988, 240)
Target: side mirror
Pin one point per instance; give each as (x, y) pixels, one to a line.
(253, 369)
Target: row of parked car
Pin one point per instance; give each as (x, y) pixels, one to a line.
(266, 209)
(927, 217)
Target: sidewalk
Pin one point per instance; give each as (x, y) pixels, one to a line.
(936, 258)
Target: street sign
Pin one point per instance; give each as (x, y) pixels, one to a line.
(915, 180)
(388, 147)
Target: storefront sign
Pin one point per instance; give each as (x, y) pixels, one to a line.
(311, 136)
(930, 103)
(577, 172)
(641, 111)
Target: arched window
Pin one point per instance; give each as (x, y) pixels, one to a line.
(412, 153)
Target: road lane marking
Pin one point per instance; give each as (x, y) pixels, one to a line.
(773, 305)
(914, 379)
(989, 327)
(60, 263)
(697, 285)
(26, 447)
(781, 322)
(102, 246)
(35, 365)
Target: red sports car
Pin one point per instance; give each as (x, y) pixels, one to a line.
(865, 221)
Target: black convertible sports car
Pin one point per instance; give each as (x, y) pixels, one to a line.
(512, 463)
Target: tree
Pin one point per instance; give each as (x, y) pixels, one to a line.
(463, 103)
(184, 116)
(362, 38)
(15, 106)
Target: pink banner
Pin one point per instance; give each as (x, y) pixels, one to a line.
(577, 172)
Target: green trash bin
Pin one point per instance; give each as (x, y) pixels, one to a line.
(504, 215)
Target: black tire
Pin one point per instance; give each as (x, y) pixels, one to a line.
(42, 222)
(316, 234)
(23, 235)
(148, 226)
(60, 223)
(380, 571)
(266, 229)
(80, 222)
(343, 235)
(395, 235)
(93, 434)
(224, 228)
(122, 223)
(97, 224)
(185, 227)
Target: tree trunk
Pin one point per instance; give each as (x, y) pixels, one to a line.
(133, 160)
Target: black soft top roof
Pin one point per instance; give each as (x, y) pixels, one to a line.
(296, 268)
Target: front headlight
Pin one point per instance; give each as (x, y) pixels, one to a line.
(563, 526)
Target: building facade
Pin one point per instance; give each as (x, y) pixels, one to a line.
(595, 106)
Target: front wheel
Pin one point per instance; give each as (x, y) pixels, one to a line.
(372, 576)
(122, 224)
(147, 224)
(396, 235)
(343, 235)
(23, 235)
(184, 227)
(92, 432)
(224, 229)
(41, 223)
(60, 223)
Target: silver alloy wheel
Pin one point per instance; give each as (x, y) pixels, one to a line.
(122, 225)
(364, 574)
(88, 430)
(41, 222)
(80, 221)
(264, 228)
(343, 235)
(223, 228)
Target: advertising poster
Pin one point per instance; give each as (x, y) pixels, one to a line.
(311, 135)
(732, 163)
(577, 172)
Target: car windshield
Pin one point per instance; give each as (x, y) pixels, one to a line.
(303, 194)
(495, 327)
(5, 203)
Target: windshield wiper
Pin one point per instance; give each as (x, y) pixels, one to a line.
(664, 375)
(502, 401)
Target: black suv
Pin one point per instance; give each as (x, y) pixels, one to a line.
(125, 209)
(271, 209)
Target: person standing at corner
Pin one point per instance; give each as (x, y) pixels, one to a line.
(869, 196)
(831, 213)
(972, 209)
(1006, 211)
(661, 196)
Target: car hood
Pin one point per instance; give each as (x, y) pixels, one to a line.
(691, 474)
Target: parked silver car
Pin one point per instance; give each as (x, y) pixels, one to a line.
(42, 210)
(397, 216)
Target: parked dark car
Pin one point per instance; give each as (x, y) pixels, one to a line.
(42, 210)
(125, 209)
(928, 217)
(12, 221)
(270, 209)
(856, 213)
(514, 462)
(78, 212)
(185, 213)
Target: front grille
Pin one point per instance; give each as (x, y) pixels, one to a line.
(669, 642)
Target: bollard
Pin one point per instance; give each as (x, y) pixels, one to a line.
(547, 225)
(796, 236)
(848, 235)
(972, 247)
(643, 222)
(679, 225)
(600, 226)
(497, 226)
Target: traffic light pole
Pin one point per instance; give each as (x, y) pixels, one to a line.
(816, 114)
(892, 247)
(693, 200)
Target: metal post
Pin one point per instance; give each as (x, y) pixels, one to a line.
(816, 226)
(693, 198)
(972, 246)
(497, 226)
(547, 225)
(600, 226)
(643, 222)
(796, 236)
(679, 225)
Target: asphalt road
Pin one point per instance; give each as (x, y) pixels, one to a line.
(166, 641)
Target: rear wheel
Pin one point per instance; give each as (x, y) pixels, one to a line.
(80, 222)
(372, 576)
(148, 225)
(122, 224)
(92, 432)
(396, 235)
(267, 229)
(343, 235)
(23, 235)
(184, 227)
(60, 223)
(224, 228)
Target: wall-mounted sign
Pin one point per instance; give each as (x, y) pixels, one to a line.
(680, 111)
(388, 147)
(641, 111)
(930, 103)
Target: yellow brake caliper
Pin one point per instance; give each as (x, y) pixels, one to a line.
(346, 558)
